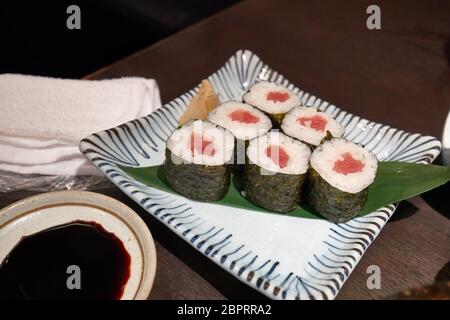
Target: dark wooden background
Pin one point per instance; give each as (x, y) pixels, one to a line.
(398, 75)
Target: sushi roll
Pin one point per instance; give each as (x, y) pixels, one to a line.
(243, 121)
(273, 99)
(310, 125)
(338, 180)
(197, 156)
(275, 171)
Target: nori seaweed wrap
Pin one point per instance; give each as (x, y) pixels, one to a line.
(197, 160)
(339, 177)
(333, 204)
(278, 192)
(275, 171)
(196, 181)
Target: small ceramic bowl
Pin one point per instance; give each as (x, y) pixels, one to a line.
(48, 210)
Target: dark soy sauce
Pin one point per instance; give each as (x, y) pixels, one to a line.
(37, 268)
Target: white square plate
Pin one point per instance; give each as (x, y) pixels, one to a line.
(282, 257)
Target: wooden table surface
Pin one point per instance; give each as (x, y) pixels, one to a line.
(398, 75)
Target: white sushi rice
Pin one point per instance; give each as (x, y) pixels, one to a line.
(179, 143)
(298, 152)
(257, 96)
(324, 157)
(241, 130)
(304, 132)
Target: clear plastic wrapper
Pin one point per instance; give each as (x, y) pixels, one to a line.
(11, 181)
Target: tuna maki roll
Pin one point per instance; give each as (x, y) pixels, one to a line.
(243, 121)
(197, 156)
(339, 177)
(273, 99)
(275, 172)
(310, 125)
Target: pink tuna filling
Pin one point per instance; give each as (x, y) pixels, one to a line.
(348, 164)
(243, 116)
(315, 122)
(277, 96)
(278, 156)
(202, 146)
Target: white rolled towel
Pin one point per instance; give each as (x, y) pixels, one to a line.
(43, 119)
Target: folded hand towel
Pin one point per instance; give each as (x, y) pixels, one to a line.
(43, 119)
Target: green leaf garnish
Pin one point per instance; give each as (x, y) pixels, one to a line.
(395, 181)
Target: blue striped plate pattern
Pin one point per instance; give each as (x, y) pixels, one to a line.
(282, 257)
